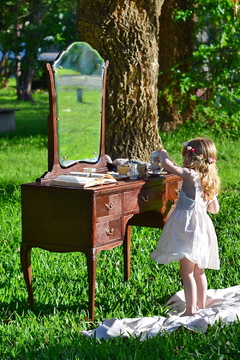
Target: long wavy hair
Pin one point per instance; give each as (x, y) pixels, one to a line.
(202, 160)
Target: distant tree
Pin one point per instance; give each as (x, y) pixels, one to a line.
(126, 33)
(31, 37)
(7, 42)
(27, 26)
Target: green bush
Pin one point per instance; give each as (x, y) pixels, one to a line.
(213, 81)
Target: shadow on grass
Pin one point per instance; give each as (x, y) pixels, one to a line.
(17, 307)
(41, 310)
(31, 119)
(27, 128)
(9, 192)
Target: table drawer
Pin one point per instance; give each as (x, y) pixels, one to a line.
(142, 198)
(108, 231)
(109, 205)
(172, 191)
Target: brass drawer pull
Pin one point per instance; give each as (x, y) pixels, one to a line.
(109, 206)
(145, 198)
(109, 232)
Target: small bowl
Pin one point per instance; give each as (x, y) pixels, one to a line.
(122, 169)
(89, 170)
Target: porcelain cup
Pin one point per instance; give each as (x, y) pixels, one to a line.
(156, 169)
(154, 159)
(133, 171)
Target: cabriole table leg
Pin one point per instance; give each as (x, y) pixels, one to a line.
(91, 265)
(126, 249)
(25, 254)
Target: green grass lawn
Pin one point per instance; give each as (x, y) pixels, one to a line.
(53, 329)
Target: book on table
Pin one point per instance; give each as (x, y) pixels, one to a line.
(84, 180)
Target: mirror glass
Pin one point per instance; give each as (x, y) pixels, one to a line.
(78, 73)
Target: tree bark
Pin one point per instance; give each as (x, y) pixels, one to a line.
(28, 62)
(24, 84)
(126, 33)
(175, 47)
(5, 71)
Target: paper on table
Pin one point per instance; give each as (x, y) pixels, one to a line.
(82, 181)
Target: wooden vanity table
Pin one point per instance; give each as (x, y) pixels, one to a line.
(64, 219)
(67, 219)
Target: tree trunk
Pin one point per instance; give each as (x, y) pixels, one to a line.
(24, 84)
(28, 62)
(5, 71)
(175, 47)
(126, 33)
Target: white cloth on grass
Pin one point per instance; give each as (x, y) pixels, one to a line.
(221, 304)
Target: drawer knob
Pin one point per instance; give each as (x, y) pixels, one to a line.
(109, 206)
(145, 198)
(109, 232)
(176, 191)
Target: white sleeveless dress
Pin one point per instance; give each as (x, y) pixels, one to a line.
(189, 232)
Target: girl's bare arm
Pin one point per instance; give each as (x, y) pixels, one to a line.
(213, 206)
(168, 165)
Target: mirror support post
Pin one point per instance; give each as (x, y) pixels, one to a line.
(53, 158)
(102, 145)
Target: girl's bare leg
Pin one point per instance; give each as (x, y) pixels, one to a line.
(201, 282)
(190, 289)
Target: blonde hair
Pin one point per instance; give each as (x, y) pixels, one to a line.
(201, 158)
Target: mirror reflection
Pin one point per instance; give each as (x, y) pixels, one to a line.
(78, 73)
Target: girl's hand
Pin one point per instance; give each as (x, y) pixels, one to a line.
(171, 167)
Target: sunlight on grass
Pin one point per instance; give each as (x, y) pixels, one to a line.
(52, 330)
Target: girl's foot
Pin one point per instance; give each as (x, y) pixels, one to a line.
(186, 313)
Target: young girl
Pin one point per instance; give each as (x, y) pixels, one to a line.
(189, 236)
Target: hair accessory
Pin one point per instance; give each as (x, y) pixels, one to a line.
(190, 149)
(200, 156)
(211, 160)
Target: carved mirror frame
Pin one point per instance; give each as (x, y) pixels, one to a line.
(54, 166)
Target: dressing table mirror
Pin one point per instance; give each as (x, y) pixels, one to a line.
(76, 123)
(95, 218)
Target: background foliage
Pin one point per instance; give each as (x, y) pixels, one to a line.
(23, 37)
(213, 81)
